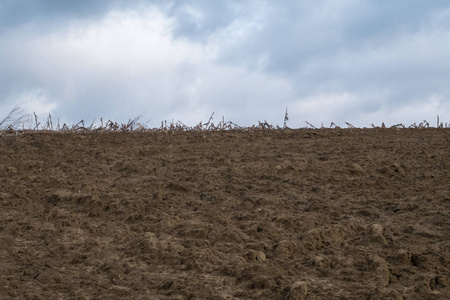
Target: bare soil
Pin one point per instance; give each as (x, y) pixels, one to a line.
(264, 214)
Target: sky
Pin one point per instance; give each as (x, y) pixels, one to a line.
(326, 61)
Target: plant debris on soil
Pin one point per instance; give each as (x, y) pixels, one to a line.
(238, 214)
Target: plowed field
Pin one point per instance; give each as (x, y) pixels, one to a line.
(264, 214)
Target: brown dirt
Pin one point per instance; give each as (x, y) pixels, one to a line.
(291, 214)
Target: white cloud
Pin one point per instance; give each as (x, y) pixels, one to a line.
(36, 102)
(416, 112)
(247, 60)
(129, 64)
(27, 103)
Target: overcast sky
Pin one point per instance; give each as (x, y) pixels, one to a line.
(327, 61)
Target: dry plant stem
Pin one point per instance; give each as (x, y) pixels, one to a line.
(286, 118)
(312, 126)
(36, 120)
(350, 125)
(133, 125)
(210, 119)
(15, 118)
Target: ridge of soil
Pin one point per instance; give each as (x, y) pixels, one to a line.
(265, 214)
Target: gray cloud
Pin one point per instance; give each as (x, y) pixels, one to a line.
(330, 61)
(200, 19)
(353, 46)
(19, 12)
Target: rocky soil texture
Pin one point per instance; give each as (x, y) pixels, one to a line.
(263, 214)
